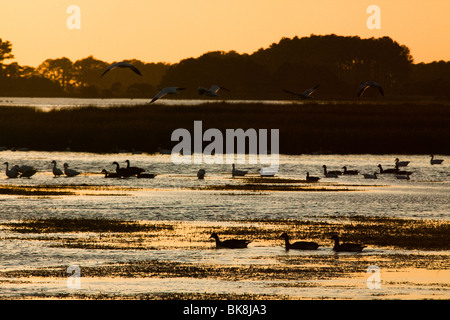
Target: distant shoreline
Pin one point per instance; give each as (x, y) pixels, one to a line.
(372, 127)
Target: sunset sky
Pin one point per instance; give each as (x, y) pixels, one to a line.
(169, 31)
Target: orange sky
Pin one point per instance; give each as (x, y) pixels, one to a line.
(168, 31)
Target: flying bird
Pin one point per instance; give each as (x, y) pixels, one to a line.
(211, 92)
(122, 65)
(366, 85)
(165, 91)
(307, 94)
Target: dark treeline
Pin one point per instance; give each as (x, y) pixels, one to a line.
(339, 64)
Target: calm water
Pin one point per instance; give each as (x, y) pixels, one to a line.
(170, 197)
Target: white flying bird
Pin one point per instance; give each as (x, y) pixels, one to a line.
(122, 65)
(211, 92)
(366, 85)
(303, 95)
(167, 90)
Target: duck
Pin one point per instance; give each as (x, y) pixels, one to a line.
(331, 174)
(122, 64)
(230, 244)
(110, 174)
(399, 163)
(133, 170)
(382, 171)
(239, 173)
(307, 94)
(13, 172)
(122, 171)
(165, 91)
(211, 92)
(56, 171)
(435, 161)
(28, 173)
(349, 172)
(146, 175)
(348, 247)
(201, 174)
(70, 172)
(371, 176)
(310, 178)
(299, 245)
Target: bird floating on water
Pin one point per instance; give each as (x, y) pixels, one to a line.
(211, 92)
(238, 173)
(366, 85)
(13, 172)
(399, 163)
(382, 171)
(201, 174)
(122, 64)
(165, 91)
(230, 244)
(28, 173)
(349, 172)
(133, 170)
(307, 94)
(56, 171)
(331, 174)
(70, 172)
(311, 178)
(348, 247)
(111, 174)
(299, 245)
(435, 161)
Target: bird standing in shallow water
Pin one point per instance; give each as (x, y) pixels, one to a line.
(347, 247)
(299, 245)
(56, 171)
(70, 172)
(230, 244)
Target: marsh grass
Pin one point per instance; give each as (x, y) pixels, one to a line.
(375, 128)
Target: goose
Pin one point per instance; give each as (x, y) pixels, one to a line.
(24, 168)
(310, 178)
(133, 170)
(307, 94)
(56, 171)
(13, 173)
(28, 173)
(110, 174)
(146, 175)
(165, 91)
(299, 245)
(122, 64)
(349, 247)
(123, 172)
(399, 172)
(435, 161)
(387, 170)
(399, 163)
(70, 172)
(239, 173)
(331, 174)
(371, 176)
(349, 172)
(230, 244)
(366, 85)
(201, 174)
(211, 92)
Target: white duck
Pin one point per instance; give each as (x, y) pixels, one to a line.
(165, 91)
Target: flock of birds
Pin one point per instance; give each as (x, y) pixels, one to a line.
(299, 245)
(213, 91)
(397, 171)
(26, 171)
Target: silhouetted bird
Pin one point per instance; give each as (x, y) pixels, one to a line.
(133, 170)
(123, 172)
(349, 247)
(382, 171)
(230, 244)
(122, 65)
(201, 174)
(239, 173)
(331, 174)
(435, 161)
(70, 172)
(165, 91)
(310, 178)
(349, 172)
(299, 245)
(13, 172)
(56, 171)
(307, 94)
(111, 174)
(399, 163)
(366, 85)
(211, 92)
